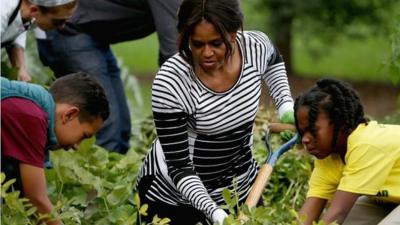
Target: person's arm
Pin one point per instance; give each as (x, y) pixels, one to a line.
(340, 206)
(169, 101)
(311, 210)
(165, 20)
(17, 59)
(275, 77)
(35, 189)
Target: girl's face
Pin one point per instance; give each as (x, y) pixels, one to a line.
(319, 141)
(207, 46)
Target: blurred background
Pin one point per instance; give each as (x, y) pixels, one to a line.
(357, 41)
(354, 40)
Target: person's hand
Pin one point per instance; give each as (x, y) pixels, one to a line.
(23, 75)
(287, 117)
(218, 216)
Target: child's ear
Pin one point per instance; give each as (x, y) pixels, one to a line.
(70, 113)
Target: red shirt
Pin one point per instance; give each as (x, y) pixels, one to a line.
(23, 131)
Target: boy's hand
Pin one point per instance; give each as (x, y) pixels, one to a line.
(287, 117)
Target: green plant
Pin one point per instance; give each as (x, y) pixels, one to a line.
(15, 209)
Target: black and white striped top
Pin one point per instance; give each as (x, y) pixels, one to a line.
(205, 137)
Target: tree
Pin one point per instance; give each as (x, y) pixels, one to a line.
(394, 60)
(327, 18)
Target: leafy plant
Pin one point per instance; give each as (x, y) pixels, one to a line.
(16, 210)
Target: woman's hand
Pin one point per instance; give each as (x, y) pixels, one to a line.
(218, 216)
(287, 117)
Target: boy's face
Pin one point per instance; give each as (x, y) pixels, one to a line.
(70, 131)
(319, 142)
(48, 20)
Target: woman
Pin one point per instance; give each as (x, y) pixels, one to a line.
(205, 100)
(19, 16)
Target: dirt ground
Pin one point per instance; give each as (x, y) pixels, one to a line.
(379, 100)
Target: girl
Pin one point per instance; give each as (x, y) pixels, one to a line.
(357, 169)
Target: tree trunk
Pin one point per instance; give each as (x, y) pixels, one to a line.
(283, 41)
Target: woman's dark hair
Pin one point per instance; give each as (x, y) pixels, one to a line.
(225, 15)
(83, 91)
(335, 98)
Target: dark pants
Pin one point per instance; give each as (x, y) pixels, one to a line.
(179, 215)
(69, 53)
(10, 167)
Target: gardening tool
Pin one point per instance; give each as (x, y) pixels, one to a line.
(265, 172)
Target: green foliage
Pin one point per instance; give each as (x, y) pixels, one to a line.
(333, 17)
(140, 56)
(39, 73)
(392, 119)
(6, 69)
(394, 59)
(16, 210)
(346, 58)
(94, 186)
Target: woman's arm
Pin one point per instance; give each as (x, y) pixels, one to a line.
(311, 210)
(169, 101)
(275, 75)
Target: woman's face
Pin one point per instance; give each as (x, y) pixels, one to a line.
(207, 46)
(319, 142)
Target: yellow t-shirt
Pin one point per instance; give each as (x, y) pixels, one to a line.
(372, 165)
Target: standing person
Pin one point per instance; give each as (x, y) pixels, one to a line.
(205, 101)
(84, 45)
(34, 120)
(17, 16)
(358, 161)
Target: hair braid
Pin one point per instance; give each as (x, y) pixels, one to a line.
(338, 100)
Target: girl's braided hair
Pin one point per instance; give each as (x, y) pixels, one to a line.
(335, 98)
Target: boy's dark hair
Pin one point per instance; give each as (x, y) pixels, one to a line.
(225, 15)
(336, 98)
(81, 90)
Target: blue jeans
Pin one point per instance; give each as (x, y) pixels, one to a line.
(69, 53)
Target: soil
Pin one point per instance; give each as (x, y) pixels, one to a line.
(379, 99)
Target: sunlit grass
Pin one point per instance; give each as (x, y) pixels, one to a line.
(358, 60)
(139, 56)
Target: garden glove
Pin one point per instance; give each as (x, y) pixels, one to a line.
(287, 117)
(218, 216)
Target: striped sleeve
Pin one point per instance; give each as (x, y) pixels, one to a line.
(275, 75)
(171, 105)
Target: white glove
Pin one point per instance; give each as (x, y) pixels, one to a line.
(218, 216)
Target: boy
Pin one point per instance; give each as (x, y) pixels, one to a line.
(358, 161)
(35, 120)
